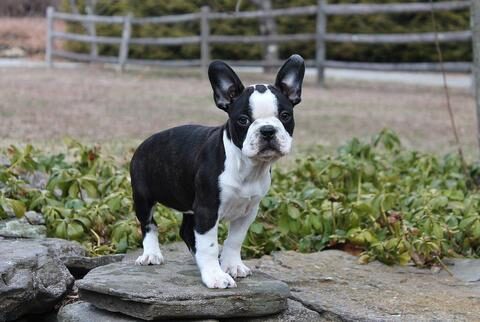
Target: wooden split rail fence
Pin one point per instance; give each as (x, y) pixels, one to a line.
(321, 37)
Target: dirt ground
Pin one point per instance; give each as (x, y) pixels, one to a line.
(42, 106)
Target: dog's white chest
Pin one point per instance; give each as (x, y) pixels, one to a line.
(242, 184)
(240, 201)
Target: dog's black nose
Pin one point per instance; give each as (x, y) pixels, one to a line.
(267, 132)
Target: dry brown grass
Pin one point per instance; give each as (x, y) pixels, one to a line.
(40, 105)
(26, 32)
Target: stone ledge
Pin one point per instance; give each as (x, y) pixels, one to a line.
(175, 290)
(86, 312)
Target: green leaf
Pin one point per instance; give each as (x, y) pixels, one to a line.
(404, 258)
(89, 188)
(439, 202)
(256, 228)
(476, 230)
(73, 190)
(284, 224)
(293, 212)
(122, 244)
(468, 221)
(61, 230)
(75, 231)
(437, 231)
(18, 207)
(85, 221)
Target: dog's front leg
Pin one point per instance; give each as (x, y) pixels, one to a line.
(231, 261)
(206, 256)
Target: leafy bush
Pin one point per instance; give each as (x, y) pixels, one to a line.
(375, 23)
(391, 204)
(21, 8)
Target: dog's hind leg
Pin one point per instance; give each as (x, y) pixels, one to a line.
(151, 248)
(186, 231)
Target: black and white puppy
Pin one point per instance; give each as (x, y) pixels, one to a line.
(214, 173)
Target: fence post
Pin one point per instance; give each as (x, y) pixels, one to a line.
(49, 40)
(92, 32)
(204, 35)
(475, 22)
(268, 27)
(127, 30)
(320, 53)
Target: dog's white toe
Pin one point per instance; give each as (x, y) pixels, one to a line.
(236, 269)
(218, 279)
(150, 259)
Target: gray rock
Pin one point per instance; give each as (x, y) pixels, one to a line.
(295, 312)
(36, 179)
(31, 279)
(467, 270)
(4, 161)
(21, 228)
(86, 312)
(79, 266)
(174, 289)
(35, 218)
(62, 248)
(333, 284)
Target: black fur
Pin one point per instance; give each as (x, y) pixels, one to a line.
(294, 70)
(174, 168)
(186, 231)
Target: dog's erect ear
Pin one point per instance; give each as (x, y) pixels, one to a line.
(225, 84)
(290, 78)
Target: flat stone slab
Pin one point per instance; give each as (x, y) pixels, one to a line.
(86, 312)
(79, 266)
(175, 290)
(296, 312)
(21, 228)
(336, 286)
(467, 270)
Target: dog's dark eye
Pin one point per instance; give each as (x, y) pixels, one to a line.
(285, 116)
(243, 120)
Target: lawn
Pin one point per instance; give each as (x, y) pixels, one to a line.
(41, 106)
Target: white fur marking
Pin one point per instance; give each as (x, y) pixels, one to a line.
(263, 104)
(264, 108)
(231, 261)
(206, 256)
(289, 79)
(251, 145)
(151, 249)
(243, 183)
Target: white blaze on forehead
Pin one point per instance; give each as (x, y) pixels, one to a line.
(263, 104)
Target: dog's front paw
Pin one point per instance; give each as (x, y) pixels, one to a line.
(150, 259)
(217, 279)
(236, 268)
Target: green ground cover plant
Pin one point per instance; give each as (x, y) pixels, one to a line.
(376, 198)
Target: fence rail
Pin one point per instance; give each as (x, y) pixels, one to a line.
(322, 10)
